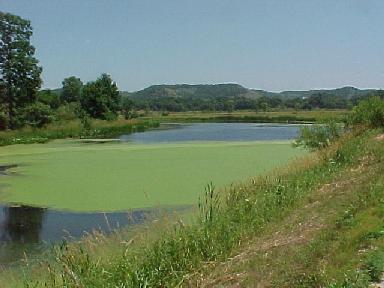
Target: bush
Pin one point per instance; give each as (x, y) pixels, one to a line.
(109, 116)
(37, 114)
(369, 112)
(319, 135)
(68, 111)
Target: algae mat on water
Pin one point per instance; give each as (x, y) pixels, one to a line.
(114, 176)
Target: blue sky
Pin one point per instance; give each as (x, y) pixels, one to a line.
(272, 44)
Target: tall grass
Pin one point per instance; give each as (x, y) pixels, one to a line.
(226, 221)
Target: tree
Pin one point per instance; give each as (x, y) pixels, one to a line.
(72, 87)
(229, 106)
(262, 103)
(37, 114)
(127, 107)
(369, 112)
(19, 70)
(49, 97)
(101, 98)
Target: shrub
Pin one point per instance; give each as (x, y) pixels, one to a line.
(109, 116)
(319, 135)
(369, 112)
(68, 111)
(37, 114)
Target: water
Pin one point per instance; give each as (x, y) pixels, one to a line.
(33, 229)
(214, 132)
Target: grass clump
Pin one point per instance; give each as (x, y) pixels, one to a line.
(374, 265)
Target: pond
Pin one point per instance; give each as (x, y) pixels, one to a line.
(175, 132)
(167, 167)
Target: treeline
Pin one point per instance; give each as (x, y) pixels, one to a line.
(99, 99)
(21, 102)
(263, 103)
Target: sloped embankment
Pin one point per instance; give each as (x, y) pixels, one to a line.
(334, 238)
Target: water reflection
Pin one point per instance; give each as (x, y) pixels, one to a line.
(28, 231)
(22, 224)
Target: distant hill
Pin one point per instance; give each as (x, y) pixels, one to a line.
(235, 90)
(344, 92)
(230, 96)
(192, 91)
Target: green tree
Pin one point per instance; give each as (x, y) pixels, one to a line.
(72, 87)
(262, 104)
(37, 114)
(19, 70)
(101, 98)
(229, 106)
(369, 112)
(127, 107)
(49, 97)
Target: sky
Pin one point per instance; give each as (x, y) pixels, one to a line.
(273, 45)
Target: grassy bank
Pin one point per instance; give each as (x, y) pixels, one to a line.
(106, 129)
(334, 238)
(74, 129)
(289, 116)
(254, 213)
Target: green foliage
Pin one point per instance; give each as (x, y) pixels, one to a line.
(229, 106)
(369, 112)
(20, 73)
(101, 99)
(228, 97)
(85, 121)
(374, 264)
(194, 91)
(127, 108)
(49, 97)
(37, 115)
(319, 135)
(209, 205)
(68, 111)
(72, 87)
(71, 130)
(353, 279)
